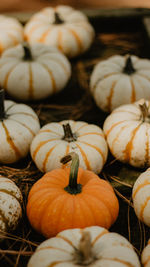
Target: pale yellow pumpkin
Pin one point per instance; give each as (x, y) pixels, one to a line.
(120, 80)
(11, 32)
(63, 27)
(33, 72)
(141, 197)
(127, 130)
(57, 139)
(10, 205)
(92, 246)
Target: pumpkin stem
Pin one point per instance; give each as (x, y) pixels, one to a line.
(57, 19)
(69, 136)
(84, 253)
(73, 187)
(144, 111)
(2, 109)
(27, 52)
(128, 69)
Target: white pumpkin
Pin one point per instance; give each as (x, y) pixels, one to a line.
(56, 140)
(120, 80)
(145, 257)
(92, 246)
(10, 205)
(33, 72)
(63, 27)
(18, 125)
(127, 130)
(141, 197)
(11, 32)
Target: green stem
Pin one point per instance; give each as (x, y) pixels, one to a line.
(129, 69)
(27, 52)
(57, 19)
(73, 187)
(68, 134)
(2, 108)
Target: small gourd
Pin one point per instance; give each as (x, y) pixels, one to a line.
(145, 257)
(120, 80)
(18, 125)
(10, 205)
(127, 130)
(92, 247)
(11, 32)
(63, 27)
(32, 72)
(71, 198)
(57, 139)
(141, 197)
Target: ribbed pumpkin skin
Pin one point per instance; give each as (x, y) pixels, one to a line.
(48, 147)
(141, 197)
(46, 73)
(109, 250)
(73, 37)
(10, 204)
(50, 209)
(17, 131)
(11, 32)
(128, 136)
(111, 87)
(145, 257)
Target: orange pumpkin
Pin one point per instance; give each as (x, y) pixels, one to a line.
(55, 205)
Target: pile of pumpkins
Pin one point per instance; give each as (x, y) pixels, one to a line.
(70, 205)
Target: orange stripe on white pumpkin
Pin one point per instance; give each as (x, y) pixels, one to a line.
(133, 95)
(128, 150)
(24, 113)
(145, 183)
(113, 126)
(92, 133)
(101, 79)
(126, 263)
(60, 47)
(24, 125)
(85, 159)
(7, 75)
(47, 157)
(105, 231)
(50, 131)
(51, 77)
(109, 98)
(65, 239)
(57, 262)
(15, 40)
(77, 39)
(31, 88)
(60, 63)
(10, 142)
(143, 207)
(117, 136)
(30, 32)
(96, 148)
(44, 36)
(50, 247)
(40, 145)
